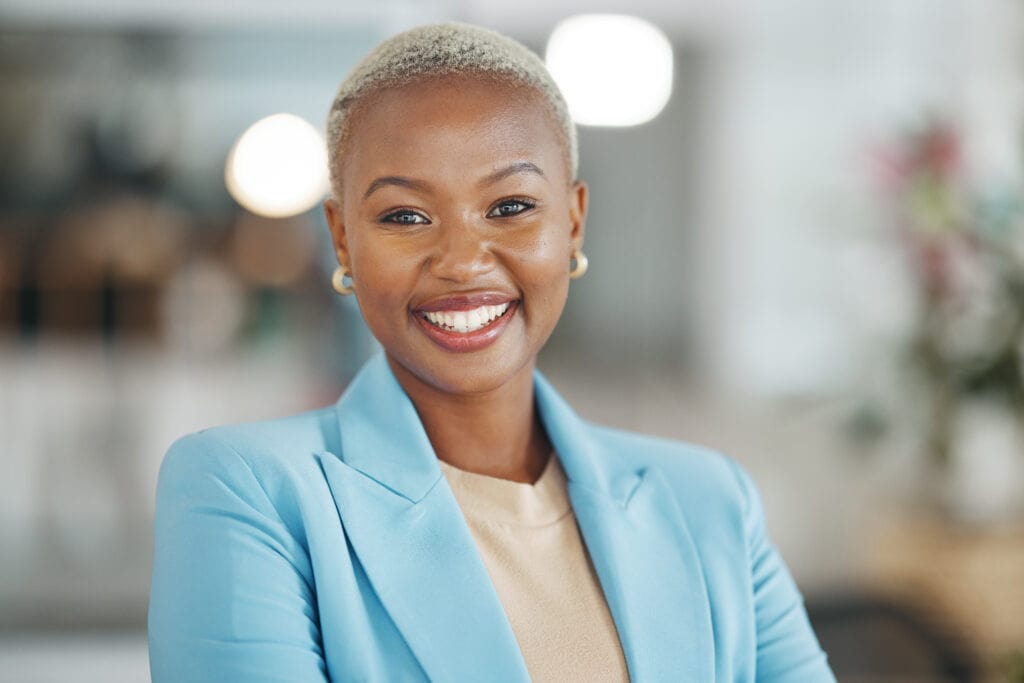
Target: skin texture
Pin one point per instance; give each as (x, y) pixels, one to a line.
(461, 231)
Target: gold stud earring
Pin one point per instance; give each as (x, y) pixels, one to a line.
(338, 280)
(577, 264)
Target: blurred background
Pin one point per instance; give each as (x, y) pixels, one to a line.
(806, 247)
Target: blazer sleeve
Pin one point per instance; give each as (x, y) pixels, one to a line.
(231, 596)
(787, 649)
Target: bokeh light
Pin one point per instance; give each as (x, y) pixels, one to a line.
(278, 167)
(614, 70)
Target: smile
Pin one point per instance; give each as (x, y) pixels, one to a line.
(464, 322)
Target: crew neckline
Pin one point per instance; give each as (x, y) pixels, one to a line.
(493, 499)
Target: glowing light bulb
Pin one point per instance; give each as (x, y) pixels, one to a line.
(278, 167)
(613, 69)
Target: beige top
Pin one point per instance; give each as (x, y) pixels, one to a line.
(531, 546)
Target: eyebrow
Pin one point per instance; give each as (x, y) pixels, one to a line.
(512, 169)
(500, 174)
(397, 180)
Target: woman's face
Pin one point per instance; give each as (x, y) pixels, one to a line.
(458, 219)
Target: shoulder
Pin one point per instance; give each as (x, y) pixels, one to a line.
(678, 460)
(246, 455)
(704, 480)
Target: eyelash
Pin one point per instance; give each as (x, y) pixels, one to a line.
(526, 204)
(392, 217)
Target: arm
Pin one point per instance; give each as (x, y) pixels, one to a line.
(787, 649)
(231, 597)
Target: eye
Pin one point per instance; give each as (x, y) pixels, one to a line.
(404, 217)
(510, 207)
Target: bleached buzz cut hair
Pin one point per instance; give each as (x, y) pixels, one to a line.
(438, 50)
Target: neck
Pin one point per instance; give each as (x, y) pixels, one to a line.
(496, 432)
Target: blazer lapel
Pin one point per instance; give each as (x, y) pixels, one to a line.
(641, 548)
(409, 534)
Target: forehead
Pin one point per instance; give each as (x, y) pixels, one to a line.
(464, 124)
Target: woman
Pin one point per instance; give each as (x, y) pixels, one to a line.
(451, 518)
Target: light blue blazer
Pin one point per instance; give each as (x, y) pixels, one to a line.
(328, 546)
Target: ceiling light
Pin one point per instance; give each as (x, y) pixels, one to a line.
(278, 167)
(614, 70)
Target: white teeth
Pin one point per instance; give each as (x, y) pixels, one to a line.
(466, 321)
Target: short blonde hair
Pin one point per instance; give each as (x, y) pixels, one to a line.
(438, 50)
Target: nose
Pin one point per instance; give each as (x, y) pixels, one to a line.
(461, 252)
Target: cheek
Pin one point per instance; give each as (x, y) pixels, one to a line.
(546, 273)
(382, 285)
(544, 248)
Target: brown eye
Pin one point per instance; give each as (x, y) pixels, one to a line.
(509, 207)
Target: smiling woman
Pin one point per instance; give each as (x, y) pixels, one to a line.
(455, 194)
(451, 518)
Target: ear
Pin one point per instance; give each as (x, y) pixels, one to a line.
(579, 196)
(336, 224)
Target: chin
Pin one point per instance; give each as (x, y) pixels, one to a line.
(467, 375)
(462, 373)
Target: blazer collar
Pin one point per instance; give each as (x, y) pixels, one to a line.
(393, 503)
(381, 433)
(385, 440)
(586, 464)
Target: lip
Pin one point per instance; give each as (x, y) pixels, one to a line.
(458, 342)
(464, 302)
